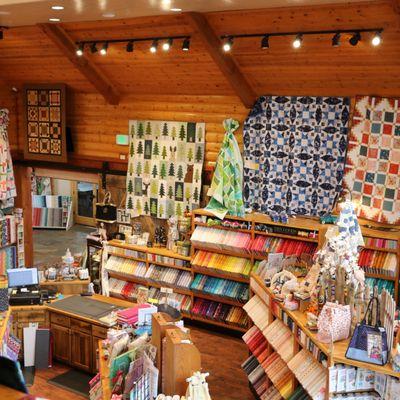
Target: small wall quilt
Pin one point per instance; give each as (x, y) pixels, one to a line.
(294, 150)
(7, 183)
(226, 189)
(373, 159)
(45, 123)
(165, 166)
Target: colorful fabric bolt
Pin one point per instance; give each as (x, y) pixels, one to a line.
(373, 159)
(226, 189)
(295, 151)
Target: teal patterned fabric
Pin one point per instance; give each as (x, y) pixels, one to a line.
(226, 187)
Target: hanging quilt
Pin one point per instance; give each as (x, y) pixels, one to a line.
(165, 166)
(294, 151)
(373, 159)
(227, 183)
(7, 184)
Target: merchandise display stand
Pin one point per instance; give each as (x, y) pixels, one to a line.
(304, 345)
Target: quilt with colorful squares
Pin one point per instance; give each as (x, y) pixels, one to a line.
(373, 159)
(295, 149)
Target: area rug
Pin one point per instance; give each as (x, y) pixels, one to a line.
(295, 150)
(165, 166)
(74, 381)
(373, 159)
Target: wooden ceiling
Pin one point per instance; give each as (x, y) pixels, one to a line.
(28, 55)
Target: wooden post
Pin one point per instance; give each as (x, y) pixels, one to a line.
(23, 200)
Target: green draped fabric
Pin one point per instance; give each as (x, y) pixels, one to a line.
(226, 187)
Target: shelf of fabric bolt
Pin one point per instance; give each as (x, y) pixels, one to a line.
(335, 353)
(220, 274)
(147, 282)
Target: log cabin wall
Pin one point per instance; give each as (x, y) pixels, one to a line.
(188, 85)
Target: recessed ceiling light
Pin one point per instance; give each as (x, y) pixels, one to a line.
(57, 7)
(54, 19)
(176, 9)
(109, 15)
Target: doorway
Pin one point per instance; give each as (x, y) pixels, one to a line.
(85, 196)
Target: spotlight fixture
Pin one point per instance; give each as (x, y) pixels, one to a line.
(265, 42)
(154, 45)
(93, 48)
(336, 40)
(167, 45)
(228, 45)
(297, 42)
(1, 34)
(58, 8)
(103, 50)
(129, 46)
(376, 40)
(355, 39)
(186, 44)
(79, 50)
(54, 19)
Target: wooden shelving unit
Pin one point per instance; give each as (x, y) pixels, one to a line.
(335, 354)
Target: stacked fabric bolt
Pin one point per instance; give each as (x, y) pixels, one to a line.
(380, 284)
(279, 374)
(221, 287)
(183, 300)
(227, 264)
(381, 243)
(219, 312)
(309, 372)
(156, 258)
(256, 375)
(378, 262)
(123, 289)
(170, 276)
(217, 239)
(281, 339)
(126, 252)
(256, 343)
(126, 266)
(258, 312)
(289, 247)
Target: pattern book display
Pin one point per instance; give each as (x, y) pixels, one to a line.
(221, 287)
(219, 312)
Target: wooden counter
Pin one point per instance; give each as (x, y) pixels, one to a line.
(7, 393)
(66, 287)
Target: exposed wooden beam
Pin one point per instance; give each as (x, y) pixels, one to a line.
(224, 61)
(92, 73)
(396, 6)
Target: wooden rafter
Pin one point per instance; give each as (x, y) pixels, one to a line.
(224, 61)
(92, 73)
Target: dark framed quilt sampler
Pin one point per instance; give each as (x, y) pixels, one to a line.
(45, 122)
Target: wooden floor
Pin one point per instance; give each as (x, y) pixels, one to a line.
(221, 357)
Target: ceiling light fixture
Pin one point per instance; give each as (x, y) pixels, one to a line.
(297, 42)
(54, 19)
(93, 48)
(227, 46)
(103, 50)
(355, 39)
(186, 44)
(109, 15)
(376, 40)
(176, 9)
(153, 47)
(129, 46)
(167, 45)
(79, 50)
(265, 42)
(57, 8)
(336, 40)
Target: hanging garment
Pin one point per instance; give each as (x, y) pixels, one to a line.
(7, 182)
(373, 159)
(294, 149)
(227, 184)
